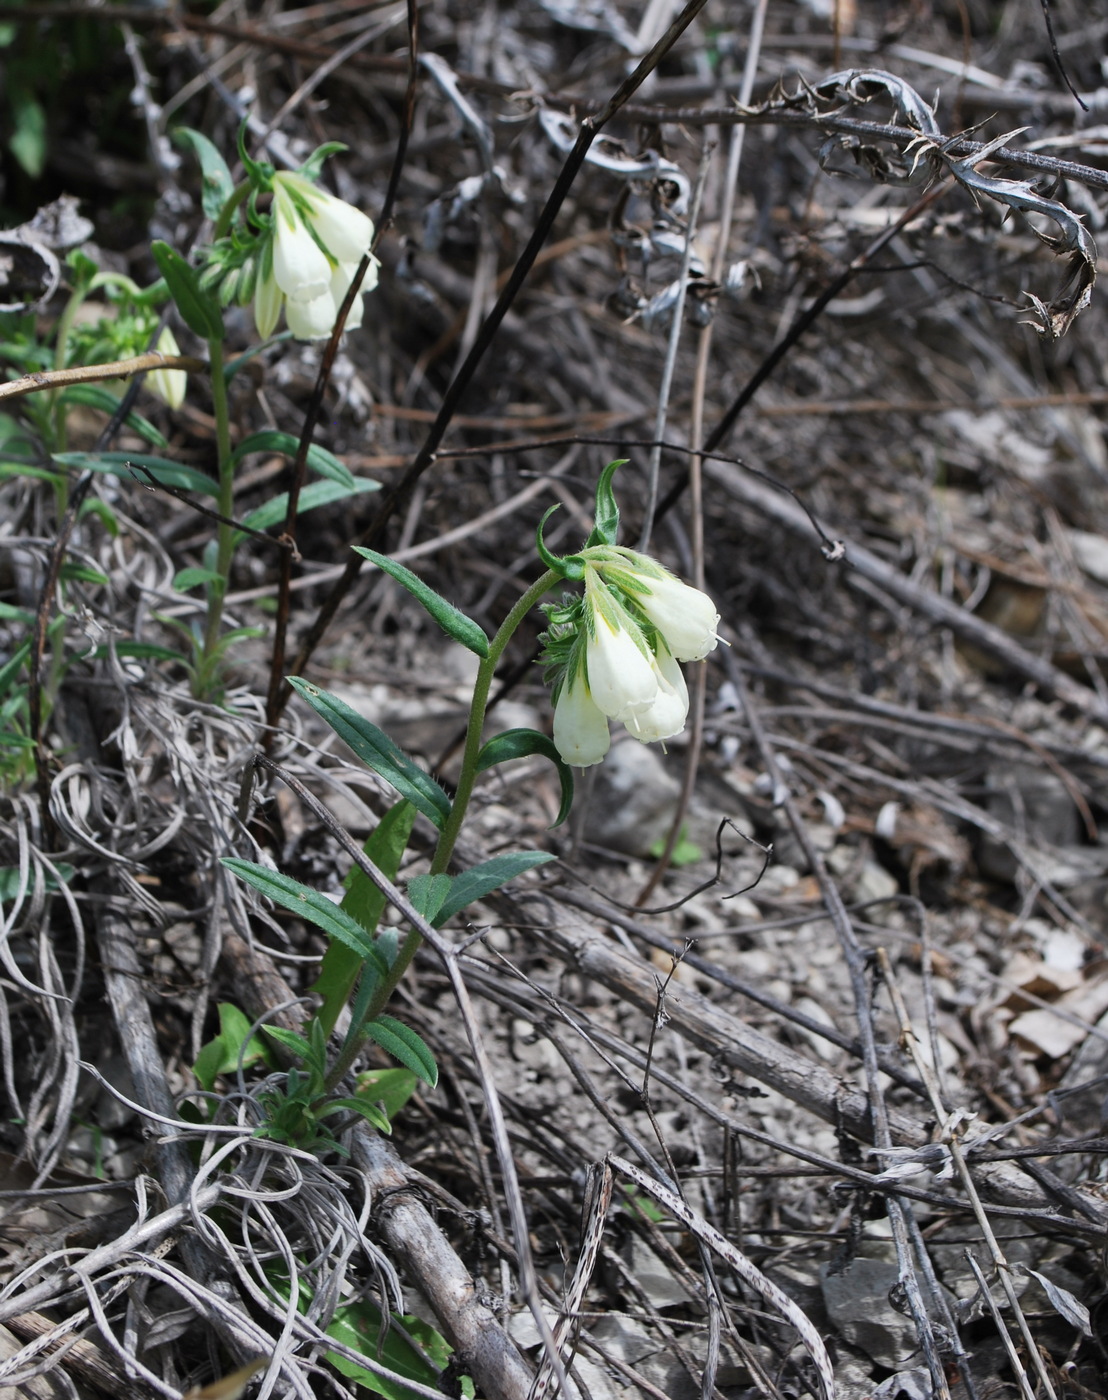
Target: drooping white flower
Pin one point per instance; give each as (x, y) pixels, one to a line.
(621, 676)
(344, 231)
(665, 718)
(169, 384)
(686, 618)
(580, 726)
(317, 244)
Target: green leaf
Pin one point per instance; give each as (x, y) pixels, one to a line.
(522, 743)
(81, 573)
(218, 185)
(374, 747)
(184, 579)
(221, 1054)
(390, 1087)
(96, 396)
(11, 885)
(199, 311)
(403, 1044)
(92, 505)
(12, 667)
(291, 1040)
(360, 1327)
(428, 894)
(319, 493)
(319, 459)
(452, 621)
(364, 902)
(308, 904)
(28, 139)
(164, 472)
(488, 876)
(606, 528)
(369, 1111)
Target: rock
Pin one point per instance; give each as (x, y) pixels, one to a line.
(1039, 808)
(857, 1302)
(633, 800)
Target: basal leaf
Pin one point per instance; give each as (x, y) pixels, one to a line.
(451, 619)
(390, 1087)
(374, 747)
(96, 396)
(221, 1054)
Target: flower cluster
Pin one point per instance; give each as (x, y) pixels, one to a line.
(310, 260)
(299, 258)
(614, 652)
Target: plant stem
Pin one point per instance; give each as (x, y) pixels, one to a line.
(225, 537)
(459, 806)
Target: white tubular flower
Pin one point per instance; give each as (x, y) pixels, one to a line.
(580, 727)
(318, 242)
(311, 320)
(686, 618)
(300, 266)
(622, 679)
(344, 231)
(666, 717)
(169, 384)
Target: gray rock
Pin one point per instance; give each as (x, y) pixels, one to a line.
(857, 1302)
(633, 799)
(1036, 805)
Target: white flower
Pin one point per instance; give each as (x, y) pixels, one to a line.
(621, 677)
(686, 618)
(580, 727)
(318, 242)
(169, 384)
(344, 231)
(665, 718)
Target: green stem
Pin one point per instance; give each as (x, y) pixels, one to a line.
(445, 848)
(225, 537)
(227, 213)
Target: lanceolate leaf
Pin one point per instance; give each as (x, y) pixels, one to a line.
(428, 894)
(374, 747)
(522, 743)
(319, 459)
(199, 311)
(161, 469)
(96, 396)
(218, 186)
(319, 493)
(308, 904)
(452, 621)
(403, 1044)
(486, 877)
